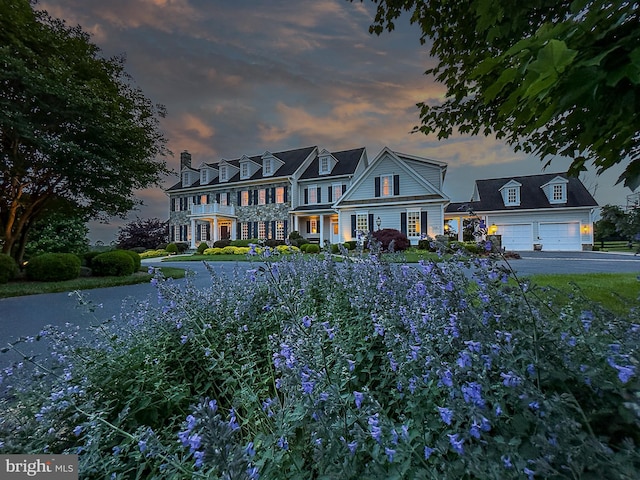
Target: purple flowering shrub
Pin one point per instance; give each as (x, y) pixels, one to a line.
(311, 368)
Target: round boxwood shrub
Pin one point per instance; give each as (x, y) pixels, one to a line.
(117, 263)
(88, 257)
(172, 248)
(202, 247)
(53, 267)
(388, 235)
(311, 248)
(221, 243)
(137, 261)
(351, 244)
(8, 268)
(335, 248)
(182, 246)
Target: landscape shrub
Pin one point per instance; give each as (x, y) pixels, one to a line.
(154, 254)
(161, 246)
(350, 244)
(427, 244)
(135, 257)
(311, 248)
(335, 248)
(88, 257)
(8, 268)
(245, 242)
(311, 368)
(202, 247)
(391, 236)
(172, 248)
(117, 263)
(53, 267)
(182, 246)
(222, 243)
(287, 249)
(473, 247)
(272, 243)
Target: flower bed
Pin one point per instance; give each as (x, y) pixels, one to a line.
(358, 369)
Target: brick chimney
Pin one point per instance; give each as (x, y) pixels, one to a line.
(185, 160)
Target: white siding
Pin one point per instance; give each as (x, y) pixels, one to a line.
(431, 173)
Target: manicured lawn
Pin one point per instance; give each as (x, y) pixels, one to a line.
(20, 288)
(617, 292)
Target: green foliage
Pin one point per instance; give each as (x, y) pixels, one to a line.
(53, 267)
(58, 232)
(137, 261)
(311, 248)
(202, 247)
(172, 248)
(117, 263)
(8, 268)
(222, 243)
(391, 239)
(350, 245)
(88, 257)
(550, 78)
(335, 248)
(243, 243)
(57, 93)
(310, 368)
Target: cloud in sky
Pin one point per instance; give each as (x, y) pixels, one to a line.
(244, 77)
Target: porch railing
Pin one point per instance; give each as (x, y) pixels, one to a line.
(212, 208)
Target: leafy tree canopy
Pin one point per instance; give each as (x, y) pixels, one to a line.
(147, 233)
(72, 125)
(59, 231)
(550, 77)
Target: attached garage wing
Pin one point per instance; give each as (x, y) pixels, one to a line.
(516, 236)
(560, 236)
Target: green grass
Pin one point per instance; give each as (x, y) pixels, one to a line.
(22, 287)
(617, 292)
(618, 246)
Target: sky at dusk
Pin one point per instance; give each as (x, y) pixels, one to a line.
(248, 76)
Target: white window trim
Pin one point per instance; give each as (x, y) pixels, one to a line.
(325, 168)
(416, 221)
(223, 173)
(336, 187)
(262, 196)
(390, 185)
(312, 190)
(279, 195)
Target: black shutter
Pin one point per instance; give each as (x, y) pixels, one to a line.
(228, 198)
(330, 199)
(273, 195)
(403, 222)
(423, 223)
(255, 197)
(239, 230)
(255, 230)
(208, 232)
(239, 198)
(286, 226)
(371, 222)
(319, 195)
(286, 193)
(396, 184)
(217, 198)
(377, 187)
(198, 232)
(173, 204)
(344, 189)
(306, 196)
(353, 227)
(272, 234)
(172, 234)
(308, 226)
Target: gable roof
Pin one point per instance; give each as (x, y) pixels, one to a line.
(532, 196)
(346, 165)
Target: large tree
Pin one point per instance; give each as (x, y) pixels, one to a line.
(72, 125)
(551, 77)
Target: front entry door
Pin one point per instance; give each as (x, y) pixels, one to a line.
(335, 232)
(224, 232)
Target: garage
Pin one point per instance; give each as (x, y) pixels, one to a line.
(560, 236)
(516, 236)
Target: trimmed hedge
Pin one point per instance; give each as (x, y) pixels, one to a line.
(8, 268)
(311, 248)
(117, 263)
(172, 248)
(137, 261)
(202, 247)
(53, 267)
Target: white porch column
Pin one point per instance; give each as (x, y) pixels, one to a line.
(234, 230)
(321, 222)
(460, 229)
(295, 223)
(215, 229)
(193, 233)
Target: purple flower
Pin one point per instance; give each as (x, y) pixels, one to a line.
(374, 428)
(283, 444)
(142, 445)
(352, 447)
(473, 346)
(445, 414)
(392, 363)
(474, 431)
(213, 406)
(529, 473)
(390, 453)
(506, 461)
(194, 442)
(306, 321)
(358, 397)
(249, 450)
(472, 393)
(510, 379)
(456, 443)
(78, 430)
(586, 318)
(199, 456)
(352, 365)
(427, 452)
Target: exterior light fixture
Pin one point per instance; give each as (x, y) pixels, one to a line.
(378, 222)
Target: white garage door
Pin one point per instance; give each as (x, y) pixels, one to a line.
(560, 236)
(516, 236)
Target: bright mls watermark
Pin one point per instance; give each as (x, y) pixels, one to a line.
(51, 467)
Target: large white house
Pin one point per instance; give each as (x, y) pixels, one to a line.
(331, 196)
(326, 196)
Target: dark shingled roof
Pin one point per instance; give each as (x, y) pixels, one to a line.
(347, 163)
(531, 195)
(292, 160)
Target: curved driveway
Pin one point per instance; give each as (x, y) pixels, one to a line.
(24, 316)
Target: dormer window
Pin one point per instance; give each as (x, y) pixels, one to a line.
(244, 170)
(267, 167)
(185, 179)
(204, 176)
(324, 165)
(223, 173)
(511, 194)
(556, 190)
